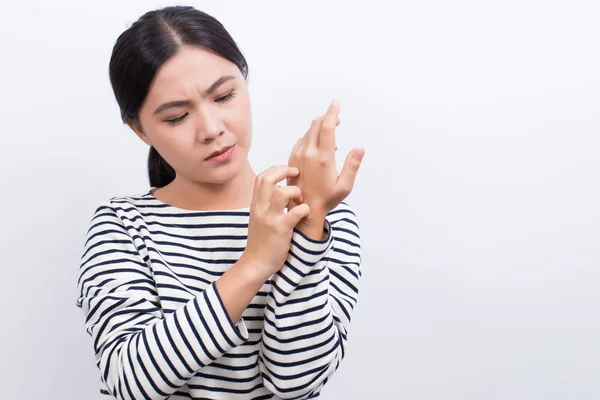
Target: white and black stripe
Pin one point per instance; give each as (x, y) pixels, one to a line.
(160, 329)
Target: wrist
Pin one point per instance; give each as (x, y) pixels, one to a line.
(316, 216)
(254, 270)
(313, 227)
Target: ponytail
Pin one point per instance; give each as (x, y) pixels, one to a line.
(160, 172)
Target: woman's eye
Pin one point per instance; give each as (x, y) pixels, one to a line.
(225, 98)
(176, 120)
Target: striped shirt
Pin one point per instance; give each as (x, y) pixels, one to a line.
(158, 325)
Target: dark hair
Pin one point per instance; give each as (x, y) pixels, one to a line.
(150, 41)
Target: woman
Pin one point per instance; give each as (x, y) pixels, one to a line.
(216, 283)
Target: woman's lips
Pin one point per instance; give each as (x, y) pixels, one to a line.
(223, 156)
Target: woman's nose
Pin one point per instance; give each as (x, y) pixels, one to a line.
(209, 127)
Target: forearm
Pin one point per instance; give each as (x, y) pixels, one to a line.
(143, 355)
(308, 312)
(239, 285)
(302, 342)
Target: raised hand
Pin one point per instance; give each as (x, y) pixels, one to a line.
(314, 156)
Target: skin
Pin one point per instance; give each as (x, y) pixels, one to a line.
(214, 112)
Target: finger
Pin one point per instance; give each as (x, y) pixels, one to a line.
(283, 195)
(345, 181)
(338, 124)
(292, 161)
(312, 136)
(278, 173)
(266, 182)
(291, 181)
(327, 132)
(291, 204)
(293, 216)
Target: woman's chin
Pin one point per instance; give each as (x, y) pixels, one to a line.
(221, 175)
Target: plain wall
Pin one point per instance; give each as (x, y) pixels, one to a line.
(478, 197)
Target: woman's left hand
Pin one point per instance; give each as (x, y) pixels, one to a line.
(314, 155)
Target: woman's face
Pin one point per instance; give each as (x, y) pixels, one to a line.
(198, 104)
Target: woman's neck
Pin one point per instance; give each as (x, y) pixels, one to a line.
(233, 194)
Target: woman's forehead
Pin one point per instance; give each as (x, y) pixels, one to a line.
(192, 69)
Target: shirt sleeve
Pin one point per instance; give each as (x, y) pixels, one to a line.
(308, 310)
(142, 352)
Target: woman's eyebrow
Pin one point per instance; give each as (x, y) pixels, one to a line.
(216, 84)
(207, 92)
(172, 104)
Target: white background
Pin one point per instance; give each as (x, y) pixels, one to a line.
(478, 198)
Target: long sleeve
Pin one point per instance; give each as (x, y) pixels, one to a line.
(309, 308)
(142, 352)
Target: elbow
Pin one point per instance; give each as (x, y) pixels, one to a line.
(114, 378)
(302, 375)
(284, 391)
(113, 365)
(301, 385)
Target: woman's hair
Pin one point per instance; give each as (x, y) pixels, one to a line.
(150, 41)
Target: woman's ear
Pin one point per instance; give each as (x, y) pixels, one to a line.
(137, 128)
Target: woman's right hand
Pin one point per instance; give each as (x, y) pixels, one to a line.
(270, 227)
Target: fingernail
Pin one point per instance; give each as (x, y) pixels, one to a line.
(335, 103)
(359, 154)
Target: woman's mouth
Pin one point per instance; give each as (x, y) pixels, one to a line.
(224, 155)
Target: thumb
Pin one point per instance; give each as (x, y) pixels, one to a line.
(345, 181)
(295, 214)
